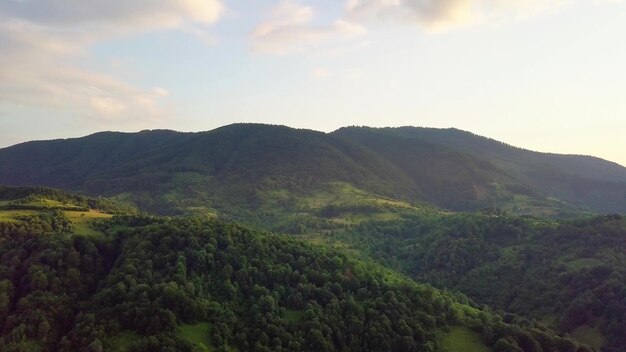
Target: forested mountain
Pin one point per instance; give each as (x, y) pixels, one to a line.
(239, 168)
(583, 180)
(148, 284)
(73, 277)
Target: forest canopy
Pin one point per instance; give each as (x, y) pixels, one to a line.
(149, 283)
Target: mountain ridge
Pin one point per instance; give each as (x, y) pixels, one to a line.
(449, 168)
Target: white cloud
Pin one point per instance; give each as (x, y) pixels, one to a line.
(445, 14)
(289, 28)
(44, 46)
(114, 15)
(34, 71)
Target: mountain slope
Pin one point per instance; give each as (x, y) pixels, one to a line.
(236, 169)
(568, 274)
(449, 178)
(230, 162)
(582, 180)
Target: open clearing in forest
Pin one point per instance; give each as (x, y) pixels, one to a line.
(463, 339)
(82, 220)
(198, 334)
(589, 335)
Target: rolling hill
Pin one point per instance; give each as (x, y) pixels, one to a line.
(567, 274)
(187, 284)
(200, 284)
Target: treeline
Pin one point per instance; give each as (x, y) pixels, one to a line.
(258, 292)
(573, 272)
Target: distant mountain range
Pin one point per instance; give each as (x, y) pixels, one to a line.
(239, 166)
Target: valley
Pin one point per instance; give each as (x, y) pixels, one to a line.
(294, 240)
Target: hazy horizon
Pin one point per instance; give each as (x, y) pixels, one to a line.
(544, 75)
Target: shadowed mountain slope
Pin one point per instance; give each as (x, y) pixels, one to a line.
(585, 181)
(236, 166)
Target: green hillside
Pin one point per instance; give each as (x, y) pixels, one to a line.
(236, 170)
(203, 285)
(580, 180)
(569, 275)
(46, 211)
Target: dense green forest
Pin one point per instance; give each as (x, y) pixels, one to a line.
(237, 169)
(569, 275)
(147, 284)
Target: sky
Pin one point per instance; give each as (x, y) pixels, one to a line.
(547, 75)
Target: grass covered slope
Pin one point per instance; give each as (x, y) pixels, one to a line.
(40, 210)
(332, 206)
(231, 170)
(192, 285)
(462, 339)
(41, 198)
